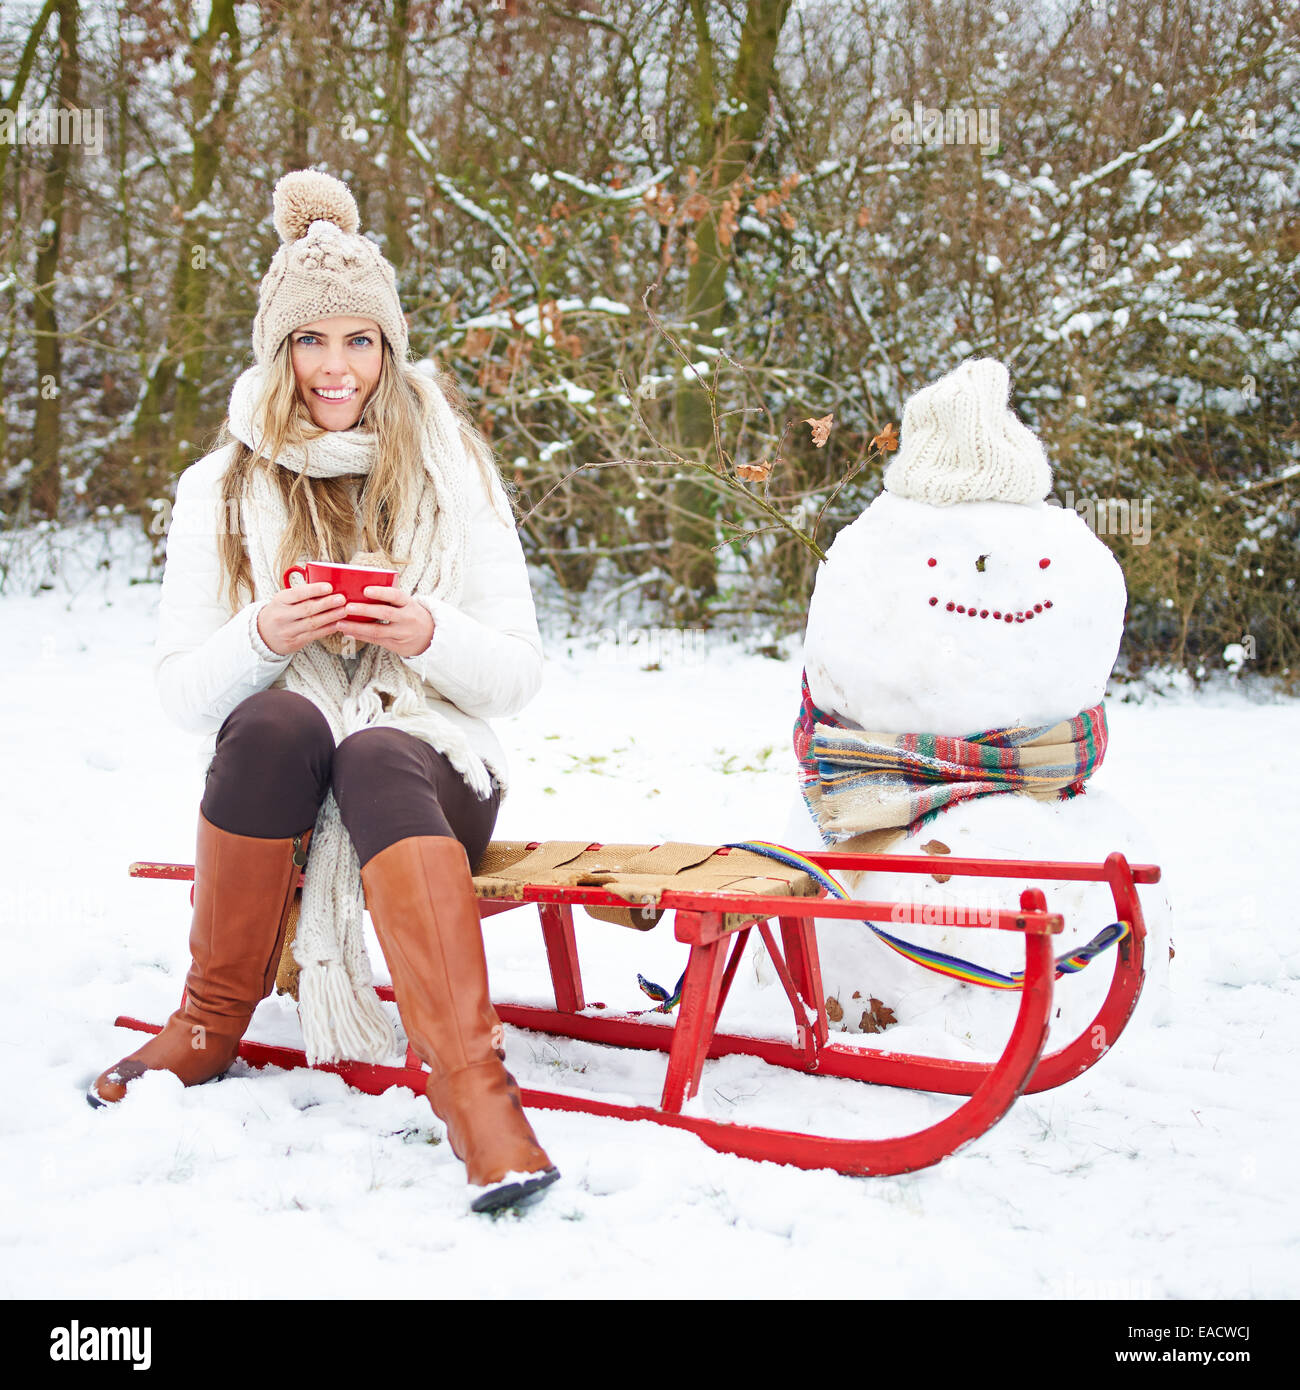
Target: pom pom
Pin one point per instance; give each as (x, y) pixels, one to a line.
(305, 195)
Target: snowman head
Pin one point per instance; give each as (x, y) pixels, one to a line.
(959, 600)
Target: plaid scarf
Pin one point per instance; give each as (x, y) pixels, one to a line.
(855, 782)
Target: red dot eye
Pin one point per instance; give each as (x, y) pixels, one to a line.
(932, 562)
(1043, 564)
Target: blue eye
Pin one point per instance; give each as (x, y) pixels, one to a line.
(356, 338)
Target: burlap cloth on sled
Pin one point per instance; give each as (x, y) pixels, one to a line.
(637, 873)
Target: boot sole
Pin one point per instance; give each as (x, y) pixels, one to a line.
(515, 1194)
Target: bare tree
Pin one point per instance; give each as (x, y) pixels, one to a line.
(46, 477)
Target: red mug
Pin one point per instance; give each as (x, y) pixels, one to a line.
(348, 580)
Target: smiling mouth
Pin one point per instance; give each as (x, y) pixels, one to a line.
(1005, 615)
(334, 397)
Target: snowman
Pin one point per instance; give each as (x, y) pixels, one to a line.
(959, 640)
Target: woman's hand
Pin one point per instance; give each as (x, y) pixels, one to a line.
(404, 626)
(298, 615)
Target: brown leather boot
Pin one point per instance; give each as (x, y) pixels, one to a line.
(243, 889)
(421, 900)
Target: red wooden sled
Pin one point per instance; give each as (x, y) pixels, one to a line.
(700, 922)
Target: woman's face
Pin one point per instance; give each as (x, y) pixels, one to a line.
(336, 362)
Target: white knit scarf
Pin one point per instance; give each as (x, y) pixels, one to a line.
(340, 1013)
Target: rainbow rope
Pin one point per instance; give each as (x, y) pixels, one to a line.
(952, 966)
(667, 1002)
(968, 972)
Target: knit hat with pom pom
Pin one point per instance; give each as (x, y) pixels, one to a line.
(961, 443)
(324, 267)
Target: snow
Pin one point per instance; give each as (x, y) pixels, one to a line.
(1164, 1172)
(529, 316)
(605, 194)
(1175, 129)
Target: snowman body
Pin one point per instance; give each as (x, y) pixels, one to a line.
(953, 620)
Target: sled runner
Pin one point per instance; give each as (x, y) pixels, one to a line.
(717, 896)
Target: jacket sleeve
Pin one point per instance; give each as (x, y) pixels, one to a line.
(486, 653)
(205, 660)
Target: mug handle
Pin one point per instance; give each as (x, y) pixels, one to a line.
(293, 569)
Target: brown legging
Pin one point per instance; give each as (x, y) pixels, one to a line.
(275, 759)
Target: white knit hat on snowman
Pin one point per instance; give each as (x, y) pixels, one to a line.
(961, 443)
(324, 267)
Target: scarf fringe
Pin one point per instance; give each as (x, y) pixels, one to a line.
(341, 1022)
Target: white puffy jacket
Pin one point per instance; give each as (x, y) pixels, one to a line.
(485, 658)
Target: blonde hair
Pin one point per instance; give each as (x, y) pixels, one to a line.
(322, 519)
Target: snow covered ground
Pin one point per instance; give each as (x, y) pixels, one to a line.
(1165, 1172)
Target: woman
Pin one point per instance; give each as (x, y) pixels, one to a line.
(363, 741)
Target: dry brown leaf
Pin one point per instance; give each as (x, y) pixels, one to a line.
(695, 207)
(877, 1017)
(477, 341)
(937, 847)
(692, 251)
(833, 1010)
(886, 441)
(754, 472)
(727, 226)
(787, 221)
(864, 216)
(494, 377)
(821, 429)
